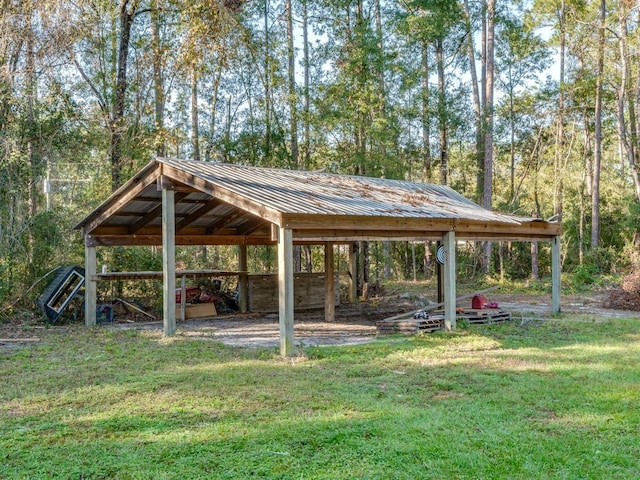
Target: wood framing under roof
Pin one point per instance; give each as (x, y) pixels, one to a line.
(178, 202)
(218, 204)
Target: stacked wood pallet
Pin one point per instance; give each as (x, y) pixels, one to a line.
(410, 325)
(483, 315)
(435, 321)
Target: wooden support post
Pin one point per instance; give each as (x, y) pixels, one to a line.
(353, 274)
(556, 268)
(329, 284)
(90, 286)
(183, 298)
(243, 280)
(285, 290)
(439, 273)
(169, 261)
(449, 243)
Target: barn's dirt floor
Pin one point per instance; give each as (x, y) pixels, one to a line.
(354, 323)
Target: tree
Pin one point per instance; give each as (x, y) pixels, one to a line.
(597, 159)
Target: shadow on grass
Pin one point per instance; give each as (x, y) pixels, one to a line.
(557, 400)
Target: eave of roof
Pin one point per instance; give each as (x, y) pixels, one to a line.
(221, 201)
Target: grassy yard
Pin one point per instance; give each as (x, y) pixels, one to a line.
(558, 400)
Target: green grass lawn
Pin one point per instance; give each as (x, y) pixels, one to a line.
(555, 400)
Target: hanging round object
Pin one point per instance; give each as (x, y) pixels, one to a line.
(440, 255)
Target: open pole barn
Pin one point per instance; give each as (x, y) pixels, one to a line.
(180, 202)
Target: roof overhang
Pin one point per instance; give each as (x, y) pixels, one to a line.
(218, 204)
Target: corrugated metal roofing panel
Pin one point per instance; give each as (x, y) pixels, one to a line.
(298, 192)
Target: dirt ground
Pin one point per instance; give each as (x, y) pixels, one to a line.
(354, 324)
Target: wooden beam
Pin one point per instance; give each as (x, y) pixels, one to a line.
(449, 243)
(90, 286)
(285, 291)
(329, 285)
(556, 270)
(346, 236)
(199, 212)
(133, 240)
(152, 214)
(99, 215)
(346, 224)
(169, 262)
(252, 225)
(223, 194)
(154, 275)
(353, 274)
(363, 222)
(243, 280)
(224, 221)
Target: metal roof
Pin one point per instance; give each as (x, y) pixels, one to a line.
(229, 203)
(303, 192)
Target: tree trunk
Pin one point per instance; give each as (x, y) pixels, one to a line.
(307, 100)
(31, 91)
(195, 130)
(267, 84)
(627, 139)
(382, 99)
(442, 115)
(559, 144)
(127, 12)
(295, 161)
(597, 159)
(158, 80)
(487, 190)
(214, 108)
(477, 105)
(426, 126)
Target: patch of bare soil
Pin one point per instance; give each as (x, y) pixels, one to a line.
(354, 323)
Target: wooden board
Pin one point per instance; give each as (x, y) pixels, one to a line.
(484, 315)
(411, 325)
(435, 320)
(308, 291)
(198, 310)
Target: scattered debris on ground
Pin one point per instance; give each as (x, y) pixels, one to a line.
(354, 323)
(627, 296)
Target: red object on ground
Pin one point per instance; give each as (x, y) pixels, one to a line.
(479, 301)
(192, 294)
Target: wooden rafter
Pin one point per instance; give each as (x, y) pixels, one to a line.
(224, 221)
(204, 208)
(223, 194)
(251, 226)
(155, 212)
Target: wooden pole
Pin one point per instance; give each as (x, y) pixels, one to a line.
(243, 280)
(169, 260)
(439, 273)
(353, 274)
(556, 268)
(449, 243)
(329, 284)
(90, 286)
(183, 298)
(285, 290)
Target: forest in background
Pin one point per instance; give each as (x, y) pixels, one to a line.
(527, 107)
